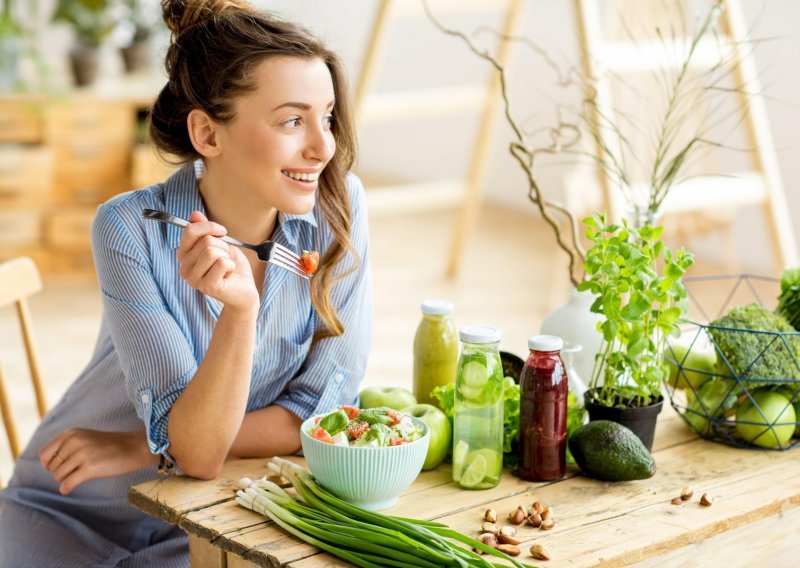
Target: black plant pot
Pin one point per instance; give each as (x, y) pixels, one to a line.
(640, 419)
(136, 56)
(85, 64)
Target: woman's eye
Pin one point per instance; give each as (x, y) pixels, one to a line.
(292, 122)
(328, 120)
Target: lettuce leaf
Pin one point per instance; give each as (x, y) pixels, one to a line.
(335, 422)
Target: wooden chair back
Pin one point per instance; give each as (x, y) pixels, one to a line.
(19, 280)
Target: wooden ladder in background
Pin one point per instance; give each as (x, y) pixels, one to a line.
(702, 196)
(411, 104)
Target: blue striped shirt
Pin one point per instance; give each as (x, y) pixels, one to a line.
(155, 331)
(161, 327)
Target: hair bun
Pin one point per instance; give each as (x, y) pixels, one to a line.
(183, 15)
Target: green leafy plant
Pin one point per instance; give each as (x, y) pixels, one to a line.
(92, 20)
(9, 27)
(641, 306)
(789, 299)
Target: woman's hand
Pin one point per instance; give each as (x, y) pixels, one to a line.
(213, 267)
(78, 455)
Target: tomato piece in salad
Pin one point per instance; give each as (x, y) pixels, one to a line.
(397, 441)
(309, 260)
(356, 428)
(321, 434)
(351, 411)
(394, 416)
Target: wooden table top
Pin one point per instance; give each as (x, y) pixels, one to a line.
(756, 496)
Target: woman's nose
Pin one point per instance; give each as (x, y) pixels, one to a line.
(320, 144)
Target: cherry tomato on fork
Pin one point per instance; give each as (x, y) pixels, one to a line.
(309, 261)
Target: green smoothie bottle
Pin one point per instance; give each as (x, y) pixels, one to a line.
(435, 349)
(478, 417)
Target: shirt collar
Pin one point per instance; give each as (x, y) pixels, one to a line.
(182, 197)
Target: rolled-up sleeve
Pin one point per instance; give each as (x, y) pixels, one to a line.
(155, 355)
(335, 365)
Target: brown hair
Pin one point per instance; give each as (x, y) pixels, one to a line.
(215, 43)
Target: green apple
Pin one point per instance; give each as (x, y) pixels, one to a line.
(441, 434)
(393, 397)
(696, 362)
(753, 425)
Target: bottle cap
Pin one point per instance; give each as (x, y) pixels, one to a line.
(479, 334)
(437, 307)
(545, 343)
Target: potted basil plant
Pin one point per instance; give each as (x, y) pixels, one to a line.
(92, 21)
(636, 280)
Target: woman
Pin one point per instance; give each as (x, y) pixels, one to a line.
(205, 352)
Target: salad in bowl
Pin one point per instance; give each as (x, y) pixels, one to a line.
(365, 457)
(372, 427)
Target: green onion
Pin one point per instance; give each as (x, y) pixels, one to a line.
(361, 537)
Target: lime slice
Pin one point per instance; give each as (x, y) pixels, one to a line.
(475, 472)
(492, 460)
(474, 374)
(459, 454)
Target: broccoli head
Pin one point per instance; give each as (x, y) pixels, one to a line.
(754, 340)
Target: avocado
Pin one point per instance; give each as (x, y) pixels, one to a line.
(609, 451)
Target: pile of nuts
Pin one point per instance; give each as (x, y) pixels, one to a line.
(686, 493)
(504, 539)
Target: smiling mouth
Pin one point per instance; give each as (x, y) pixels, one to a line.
(307, 177)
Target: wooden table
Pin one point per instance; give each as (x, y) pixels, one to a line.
(754, 519)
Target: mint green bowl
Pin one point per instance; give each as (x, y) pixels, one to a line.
(371, 478)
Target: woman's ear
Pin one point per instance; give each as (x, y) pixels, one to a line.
(203, 133)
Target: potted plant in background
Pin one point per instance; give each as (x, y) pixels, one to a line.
(92, 22)
(141, 17)
(641, 300)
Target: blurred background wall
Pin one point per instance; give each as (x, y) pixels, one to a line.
(419, 55)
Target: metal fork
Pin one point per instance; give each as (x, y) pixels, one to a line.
(268, 251)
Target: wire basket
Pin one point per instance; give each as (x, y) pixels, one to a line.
(753, 403)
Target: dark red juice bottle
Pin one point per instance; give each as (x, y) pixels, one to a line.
(543, 411)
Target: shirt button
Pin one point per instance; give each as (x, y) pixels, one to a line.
(338, 378)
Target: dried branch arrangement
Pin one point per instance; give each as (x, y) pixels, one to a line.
(670, 148)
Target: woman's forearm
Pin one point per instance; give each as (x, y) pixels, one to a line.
(206, 417)
(270, 431)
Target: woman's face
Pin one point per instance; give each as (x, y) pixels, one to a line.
(280, 139)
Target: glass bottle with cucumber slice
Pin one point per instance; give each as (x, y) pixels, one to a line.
(478, 411)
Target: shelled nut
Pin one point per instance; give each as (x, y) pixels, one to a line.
(518, 516)
(508, 530)
(539, 552)
(677, 501)
(706, 500)
(548, 524)
(537, 508)
(547, 513)
(686, 493)
(510, 549)
(535, 520)
(488, 539)
(488, 527)
(490, 515)
(507, 539)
